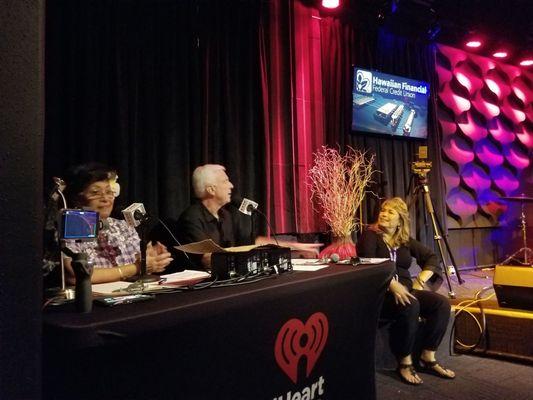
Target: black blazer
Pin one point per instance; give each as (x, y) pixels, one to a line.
(371, 244)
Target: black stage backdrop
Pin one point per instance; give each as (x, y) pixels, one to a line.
(156, 88)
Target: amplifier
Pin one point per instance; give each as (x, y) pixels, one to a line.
(260, 260)
(514, 286)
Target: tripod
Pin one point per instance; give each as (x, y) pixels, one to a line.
(421, 170)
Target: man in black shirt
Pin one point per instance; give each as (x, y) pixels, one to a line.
(207, 219)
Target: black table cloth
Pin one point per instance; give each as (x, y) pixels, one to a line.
(300, 335)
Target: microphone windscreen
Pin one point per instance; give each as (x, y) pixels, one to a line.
(130, 214)
(334, 258)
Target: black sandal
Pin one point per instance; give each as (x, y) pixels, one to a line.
(434, 368)
(412, 371)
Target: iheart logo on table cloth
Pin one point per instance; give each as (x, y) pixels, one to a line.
(296, 339)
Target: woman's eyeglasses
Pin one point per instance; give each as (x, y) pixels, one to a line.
(94, 194)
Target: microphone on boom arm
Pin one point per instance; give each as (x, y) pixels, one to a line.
(250, 207)
(135, 214)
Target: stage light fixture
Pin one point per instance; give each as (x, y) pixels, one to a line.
(526, 62)
(330, 4)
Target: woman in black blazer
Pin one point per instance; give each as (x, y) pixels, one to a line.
(406, 300)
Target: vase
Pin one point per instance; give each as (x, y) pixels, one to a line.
(343, 247)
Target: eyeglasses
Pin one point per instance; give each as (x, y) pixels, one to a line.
(94, 194)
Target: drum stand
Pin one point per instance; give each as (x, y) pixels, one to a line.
(525, 252)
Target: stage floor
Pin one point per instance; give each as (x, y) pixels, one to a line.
(501, 332)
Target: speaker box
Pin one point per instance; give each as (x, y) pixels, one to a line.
(514, 286)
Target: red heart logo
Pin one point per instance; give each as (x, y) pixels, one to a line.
(295, 340)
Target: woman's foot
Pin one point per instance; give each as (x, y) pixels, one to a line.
(408, 374)
(433, 367)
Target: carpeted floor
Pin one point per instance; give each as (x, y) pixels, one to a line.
(478, 378)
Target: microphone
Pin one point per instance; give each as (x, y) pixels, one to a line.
(134, 214)
(52, 206)
(57, 190)
(333, 258)
(60, 183)
(244, 205)
(249, 207)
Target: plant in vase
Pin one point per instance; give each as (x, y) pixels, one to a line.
(338, 184)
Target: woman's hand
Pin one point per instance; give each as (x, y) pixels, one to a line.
(157, 258)
(400, 292)
(417, 285)
(424, 276)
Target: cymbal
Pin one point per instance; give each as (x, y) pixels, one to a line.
(518, 198)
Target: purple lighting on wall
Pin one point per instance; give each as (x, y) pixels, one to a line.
(485, 114)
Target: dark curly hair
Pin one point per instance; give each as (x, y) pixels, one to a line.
(80, 177)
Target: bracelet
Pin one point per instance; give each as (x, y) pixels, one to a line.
(121, 274)
(420, 281)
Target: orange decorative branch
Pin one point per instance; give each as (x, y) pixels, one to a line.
(338, 184)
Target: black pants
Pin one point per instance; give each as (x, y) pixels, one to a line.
(432, 307)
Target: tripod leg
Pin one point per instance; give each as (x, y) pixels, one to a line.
(438, 238)
(452, 258)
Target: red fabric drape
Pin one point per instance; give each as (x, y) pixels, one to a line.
(293, 111)
(275, 67)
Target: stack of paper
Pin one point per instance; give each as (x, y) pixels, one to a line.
(183, 278)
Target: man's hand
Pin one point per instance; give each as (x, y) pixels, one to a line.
(310, 247)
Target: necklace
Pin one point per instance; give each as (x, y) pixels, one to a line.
(392, 250)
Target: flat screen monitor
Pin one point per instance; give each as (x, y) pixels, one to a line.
(79, 224)
(389, 104)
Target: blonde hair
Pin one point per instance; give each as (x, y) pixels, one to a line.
(203, 176)
(401, 236)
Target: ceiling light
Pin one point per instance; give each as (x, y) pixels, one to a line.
(500, 54)
(473, 44)
(331, 4)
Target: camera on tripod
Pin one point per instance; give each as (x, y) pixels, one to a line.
(421, 168)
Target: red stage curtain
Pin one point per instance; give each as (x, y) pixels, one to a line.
(293, 111)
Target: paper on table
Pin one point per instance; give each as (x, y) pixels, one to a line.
(308, 264)
(241, 248)
(372, 260)
(205, 246)
(111, 288)
(208, 246)
(187, 277)
(315, 267)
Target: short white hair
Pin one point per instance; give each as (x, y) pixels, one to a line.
(203, 176)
